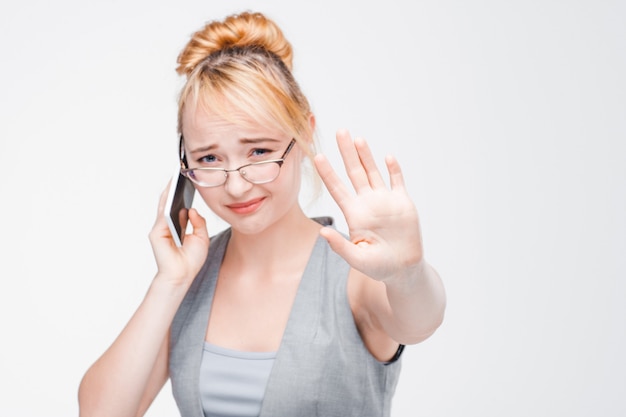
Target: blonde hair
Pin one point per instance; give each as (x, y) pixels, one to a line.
(244, 62)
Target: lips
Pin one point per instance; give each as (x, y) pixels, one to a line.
(246, 207)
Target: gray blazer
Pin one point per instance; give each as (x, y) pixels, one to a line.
(322, 367)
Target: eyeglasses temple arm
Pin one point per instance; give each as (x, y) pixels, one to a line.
(181, 153)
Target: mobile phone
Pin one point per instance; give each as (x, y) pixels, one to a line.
(179, 199)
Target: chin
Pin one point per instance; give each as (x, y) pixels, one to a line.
(250, 224)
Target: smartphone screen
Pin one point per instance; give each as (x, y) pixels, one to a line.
(177, 207)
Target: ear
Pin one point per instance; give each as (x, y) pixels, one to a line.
(310, 142)
(312, 122)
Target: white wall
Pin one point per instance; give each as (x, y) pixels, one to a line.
(507, 116)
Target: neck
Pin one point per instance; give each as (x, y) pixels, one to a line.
(282, 244)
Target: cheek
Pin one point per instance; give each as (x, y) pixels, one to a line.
(208, 195)
(290, 178)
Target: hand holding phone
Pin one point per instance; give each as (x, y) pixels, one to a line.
(179, 200)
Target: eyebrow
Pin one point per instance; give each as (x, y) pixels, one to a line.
(243, 141)
(247, 141)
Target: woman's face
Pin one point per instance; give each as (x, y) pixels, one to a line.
(211, 141)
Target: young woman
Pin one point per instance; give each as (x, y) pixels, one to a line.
(280, 314)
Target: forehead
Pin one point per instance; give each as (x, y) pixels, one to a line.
(202, 125)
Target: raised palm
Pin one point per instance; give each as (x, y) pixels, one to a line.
(383, 224)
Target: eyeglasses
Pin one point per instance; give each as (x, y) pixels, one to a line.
(255, 173)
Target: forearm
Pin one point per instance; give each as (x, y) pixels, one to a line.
(116, 382)
(417, 304)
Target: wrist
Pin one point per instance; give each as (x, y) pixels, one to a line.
(408, 277)
(168, 285)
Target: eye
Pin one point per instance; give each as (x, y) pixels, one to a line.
(208, 159)
(258, 152)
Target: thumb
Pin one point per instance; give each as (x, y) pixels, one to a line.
(342, 246)
(199, 224)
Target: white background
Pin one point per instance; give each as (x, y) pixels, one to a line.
(508, 117)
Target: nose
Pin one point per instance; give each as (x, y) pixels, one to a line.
(236, 185)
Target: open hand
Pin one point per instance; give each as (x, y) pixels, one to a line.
(383, 226)
(179, 265)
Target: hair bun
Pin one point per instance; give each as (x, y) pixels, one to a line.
(238, 30)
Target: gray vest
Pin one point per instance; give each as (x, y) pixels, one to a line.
(322, 367)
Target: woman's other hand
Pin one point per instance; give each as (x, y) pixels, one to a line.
(178, 265)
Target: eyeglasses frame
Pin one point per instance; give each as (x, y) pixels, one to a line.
(184, 168)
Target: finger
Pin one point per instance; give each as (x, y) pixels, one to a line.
(199, 225)
(396, 179)
(160, 218)
(342, 246)
(367, 160)
(351, 161)
(163, 199)
(335, 187)
(160, 229)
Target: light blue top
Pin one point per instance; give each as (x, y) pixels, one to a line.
(232, 382)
